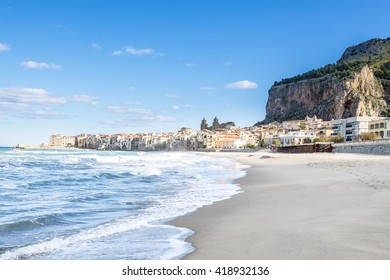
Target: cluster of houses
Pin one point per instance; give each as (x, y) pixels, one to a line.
(227, 136)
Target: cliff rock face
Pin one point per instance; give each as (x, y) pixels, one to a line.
(356, 86)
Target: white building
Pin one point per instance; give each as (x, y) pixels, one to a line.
(229, 141)
(351, 128)
(381, 128)
(293, 138)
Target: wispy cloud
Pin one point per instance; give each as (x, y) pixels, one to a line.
(242, 85)
(174, 96)
(84, 99)
(30, 64)
(12, 105)
(29, 96)
(96, 46)
(137, 116)
(43, 114)
(207, 88)
(140, 122)
(4, 47)
(116, 109)
(177, 107)
(31, 103)
(190, 65)
(227, 63)
(122, 110)
(140, 111)
(158, 118)
(117, 53)
(137, 52)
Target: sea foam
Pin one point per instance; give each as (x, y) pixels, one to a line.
(77, 204)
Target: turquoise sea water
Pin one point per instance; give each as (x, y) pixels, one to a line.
(104, 205)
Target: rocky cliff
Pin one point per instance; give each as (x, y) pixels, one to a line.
(357, 85)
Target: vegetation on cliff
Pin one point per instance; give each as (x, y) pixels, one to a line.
(339, 70)
(358, 84)
(375, 53)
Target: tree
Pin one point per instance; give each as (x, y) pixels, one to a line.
(262, 144)
(276, 143)
(368, 136)
(321, 139)
(306, 141)
(336, 139)
(302, 126)
(249, 146)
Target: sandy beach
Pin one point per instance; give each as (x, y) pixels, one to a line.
(298, 206)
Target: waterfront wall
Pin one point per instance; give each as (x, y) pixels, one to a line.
(378, 147)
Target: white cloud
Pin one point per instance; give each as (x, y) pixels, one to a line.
(96, 46)
(137, 52)
(140, 122)
(4, 47)
(43, 114)
(189, 65)
(228, 63)
(85, 99)
(12, 105)
(38, 65)
(175, 96)
(140, 52)
(29, 96)
(207, 88)
(117, 53)
(122, 110)
(30, 103)
(159, 118)
(140, 111)
(131, 50)
(185, 106)
(116, 109)
(241, 85)
(137, 116)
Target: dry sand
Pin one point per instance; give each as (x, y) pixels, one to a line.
(299, 206)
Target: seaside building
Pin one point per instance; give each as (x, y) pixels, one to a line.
(381, 128)
(59, 140)
(293, 138)
(325, 132)
(292, 125)
(55, 140)
(351, 128)
(228, 141)
(311, 123)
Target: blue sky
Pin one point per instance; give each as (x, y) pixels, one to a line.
(131, 66)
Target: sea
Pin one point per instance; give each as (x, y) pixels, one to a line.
(110, 205)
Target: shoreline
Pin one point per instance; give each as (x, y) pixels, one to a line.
(298, 206)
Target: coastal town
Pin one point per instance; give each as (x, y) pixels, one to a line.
(227, 136)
